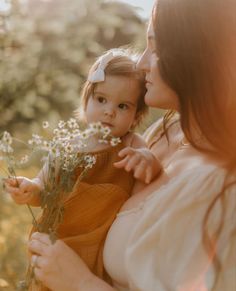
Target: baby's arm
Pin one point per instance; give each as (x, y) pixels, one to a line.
(138, 158)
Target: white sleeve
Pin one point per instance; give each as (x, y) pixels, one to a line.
(165, 251)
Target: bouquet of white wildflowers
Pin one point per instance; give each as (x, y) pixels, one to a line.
(63, 154)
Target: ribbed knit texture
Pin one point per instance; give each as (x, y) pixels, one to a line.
(92, 207)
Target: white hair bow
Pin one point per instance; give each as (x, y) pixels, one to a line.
(98, 75)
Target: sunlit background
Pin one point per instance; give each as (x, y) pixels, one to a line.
(144, 6)
(46, 48)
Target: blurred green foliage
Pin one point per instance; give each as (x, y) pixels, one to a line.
(46, 49)
(14, 229)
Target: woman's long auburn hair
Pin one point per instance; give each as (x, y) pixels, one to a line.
(196, 48)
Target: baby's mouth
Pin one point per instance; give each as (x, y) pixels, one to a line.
(107, 124)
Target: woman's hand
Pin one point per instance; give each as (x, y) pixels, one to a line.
(59, 268)
(141, 161)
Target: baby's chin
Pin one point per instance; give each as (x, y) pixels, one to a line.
(116, 134)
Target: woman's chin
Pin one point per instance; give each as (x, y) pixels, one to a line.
(153, 100)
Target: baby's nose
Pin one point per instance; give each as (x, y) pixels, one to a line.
(109, 111)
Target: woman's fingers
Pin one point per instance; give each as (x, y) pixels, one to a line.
(37, 247)
(57, 266)
(35, 261)
(41, 237)
(39, 274)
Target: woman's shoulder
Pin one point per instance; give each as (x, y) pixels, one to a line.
(198, 184)
(168, 236)
(205, 176)
(155, 127)
(156, 130)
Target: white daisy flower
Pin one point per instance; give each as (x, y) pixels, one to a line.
(38, 139)
(46, 145)
(54, 152)
(90, 160)
(72, 123)
(114, 141)
(7, 139)
(7, 149)
(76, 132)
(95, 126)
(61, 124)
(84, 134)
(103, 141)
(24, 159)
(105, 131)
(69, 148)
(55, 131)
(45, 124)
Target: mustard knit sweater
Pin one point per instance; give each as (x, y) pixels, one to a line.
(92, 207)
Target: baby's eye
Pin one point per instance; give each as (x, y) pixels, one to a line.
(123, 106)
(101, 99)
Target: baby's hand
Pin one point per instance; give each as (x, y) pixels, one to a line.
(141, 161)
(21, 189)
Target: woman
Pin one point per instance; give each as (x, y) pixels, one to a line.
(178, 233)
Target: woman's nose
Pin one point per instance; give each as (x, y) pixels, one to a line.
(144, 62)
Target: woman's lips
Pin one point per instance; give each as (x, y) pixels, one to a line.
(148, 83)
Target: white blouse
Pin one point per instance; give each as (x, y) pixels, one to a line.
(158, 245)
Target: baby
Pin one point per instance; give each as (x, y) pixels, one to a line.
(114, 96)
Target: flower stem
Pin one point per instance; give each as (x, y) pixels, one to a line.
(32, 214)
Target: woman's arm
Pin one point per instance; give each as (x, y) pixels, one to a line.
(59, 268)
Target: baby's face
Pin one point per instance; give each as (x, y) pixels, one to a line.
(114, 104)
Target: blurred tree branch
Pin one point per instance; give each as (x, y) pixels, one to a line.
(46, 48)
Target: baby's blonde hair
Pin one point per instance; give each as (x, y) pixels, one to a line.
(122, 64)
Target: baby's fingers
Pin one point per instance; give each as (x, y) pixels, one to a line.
(122, 163)
(149, 175)
(126, 151)
(10, 181)
(18, 199)
(12, 190)
(140, 171)
(132, 162)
